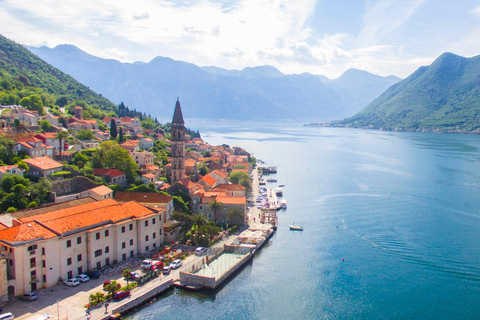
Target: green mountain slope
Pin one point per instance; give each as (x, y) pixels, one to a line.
(16, 62)
(444, 96)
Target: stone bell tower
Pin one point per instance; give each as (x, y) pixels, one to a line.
(178, 145)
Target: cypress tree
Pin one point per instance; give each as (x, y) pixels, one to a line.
(113, 129)
(120, 136)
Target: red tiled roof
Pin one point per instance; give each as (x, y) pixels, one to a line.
(43, 163)
(108, 172)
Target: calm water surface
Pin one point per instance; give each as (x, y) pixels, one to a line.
(392, 229)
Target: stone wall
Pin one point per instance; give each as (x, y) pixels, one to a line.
(75, 185)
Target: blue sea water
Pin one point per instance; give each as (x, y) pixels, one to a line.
(392, 229)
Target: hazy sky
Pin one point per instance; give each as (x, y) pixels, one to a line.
(321, 37)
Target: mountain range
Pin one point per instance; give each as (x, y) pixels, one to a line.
(256, 93)
(444, 96)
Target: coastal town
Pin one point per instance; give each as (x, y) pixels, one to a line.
(102, 216)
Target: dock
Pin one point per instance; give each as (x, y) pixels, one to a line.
(211, 271)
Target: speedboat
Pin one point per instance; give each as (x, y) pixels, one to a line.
(271, 180)
(278, 191)
(283, 204)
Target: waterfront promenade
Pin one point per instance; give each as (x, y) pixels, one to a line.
(62, 302)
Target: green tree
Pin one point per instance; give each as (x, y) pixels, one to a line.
(23, 165)
(85, 135)
(40, 190)
(113, 129)
(120, 136)
(33, 102)
(235, 217)
(61, 136)
(216, 207)
(111, 156)
(79, 159)
(7, 151)
(62, 101)
(11, 180)
(202, 168)
(126, 274)
(112, 287)
(241, 178)
(44, 125)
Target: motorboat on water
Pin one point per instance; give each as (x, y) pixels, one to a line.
(283, 204)
(296, 228)
(272, 180)
(278, 191)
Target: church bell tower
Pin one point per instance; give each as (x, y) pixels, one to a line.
(178, 145)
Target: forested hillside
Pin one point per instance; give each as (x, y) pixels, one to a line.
(444, 96)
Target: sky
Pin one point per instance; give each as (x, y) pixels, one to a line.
(327, 37)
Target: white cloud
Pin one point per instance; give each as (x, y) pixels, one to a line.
(382, 17)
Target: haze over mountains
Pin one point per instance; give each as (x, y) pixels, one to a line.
(444, 96)
(257, 93)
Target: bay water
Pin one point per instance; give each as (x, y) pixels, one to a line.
(391, 229)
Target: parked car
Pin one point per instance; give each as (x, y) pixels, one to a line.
(157, 265)
(133, 275)
(82, 277)
(200, 251)
(29, 296)
(6, 316)
(166, 269)
(106, 283)
(176, 264)
(93, 274)
(119, 295)
(72, 282)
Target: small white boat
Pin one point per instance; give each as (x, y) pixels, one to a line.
(283, 204)
(296, 228)
(278, 191)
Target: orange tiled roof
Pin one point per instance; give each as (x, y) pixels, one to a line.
(149, 197)
(221, 173)
(209, 179)
(43, 163)
(232, 200)
(229, 187)
(7, 168)
(93, 214)
(26, 232)
(29, 139)
(149, 176)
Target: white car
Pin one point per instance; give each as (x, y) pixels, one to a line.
(72, 282)
(176, 264)
(82, 278)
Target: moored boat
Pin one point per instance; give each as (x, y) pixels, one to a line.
(296, 228)
(278, 191)
(271, 180)
(283, 204)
